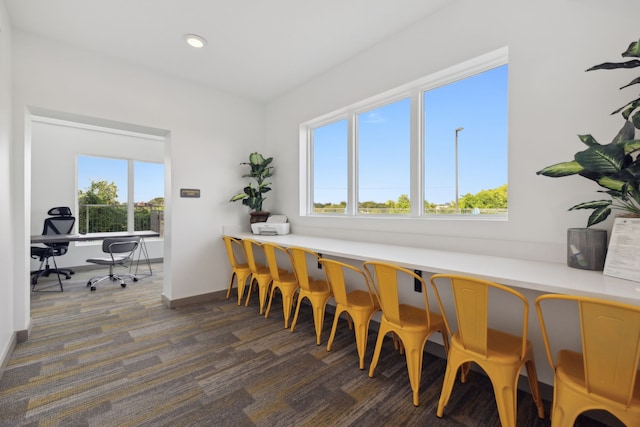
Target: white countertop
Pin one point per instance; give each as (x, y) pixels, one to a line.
(545, 277)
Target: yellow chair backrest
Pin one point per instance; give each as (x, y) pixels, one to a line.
(335, 273)
(384, 280)
(610, 334)
(249, 246)
(232, 245)
(471, 301)
(271, 251)
(299, 257)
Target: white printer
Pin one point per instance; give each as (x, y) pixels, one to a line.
(275, 225)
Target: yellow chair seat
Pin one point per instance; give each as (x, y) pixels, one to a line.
(414, 318)
(570, 371)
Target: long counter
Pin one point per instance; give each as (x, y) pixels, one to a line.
(544, 277)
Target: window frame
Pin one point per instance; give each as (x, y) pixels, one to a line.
(415, 91)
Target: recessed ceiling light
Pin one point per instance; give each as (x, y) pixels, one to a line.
(195, 40)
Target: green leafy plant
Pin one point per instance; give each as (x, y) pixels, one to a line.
(614, 166)
(253, 195)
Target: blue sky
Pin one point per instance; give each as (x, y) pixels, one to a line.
(478, 104)
(148, 177)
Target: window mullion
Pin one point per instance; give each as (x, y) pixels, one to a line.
(352, 156)
(130, 197)
(417, 155)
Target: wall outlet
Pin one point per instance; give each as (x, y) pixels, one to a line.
(417, 284)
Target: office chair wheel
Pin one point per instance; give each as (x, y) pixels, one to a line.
(67, 276)
(93, 288)
(135, 279)
(124, 285)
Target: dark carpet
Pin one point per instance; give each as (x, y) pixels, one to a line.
(118, 357)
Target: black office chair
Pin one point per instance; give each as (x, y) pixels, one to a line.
(120, 250)
(60, 221)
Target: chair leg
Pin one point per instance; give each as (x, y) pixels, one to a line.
(242, 281)
(273, 289)
(295, 315)
(41, 272)
(505, 387)
(453, 364)
(361, 321)
(318, 317)
(287, 305)
(336, 318)
(414, 351)
(233, 274)
(263, 292)
(533, 386)
(384, 329)
(252, 286)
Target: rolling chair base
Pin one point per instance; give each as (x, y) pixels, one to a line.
(113, 277)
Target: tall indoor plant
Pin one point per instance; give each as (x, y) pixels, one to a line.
(253, 194)
(614, 166)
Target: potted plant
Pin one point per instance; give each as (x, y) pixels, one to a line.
(614, 166)
(253, 195)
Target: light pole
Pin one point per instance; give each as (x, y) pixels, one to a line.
(457, 130)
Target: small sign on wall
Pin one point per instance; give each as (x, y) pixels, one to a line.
(190, 193)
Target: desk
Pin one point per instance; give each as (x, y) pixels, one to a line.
(61, 238)
(540, 276)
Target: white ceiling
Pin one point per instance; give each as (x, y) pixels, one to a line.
(258, 49)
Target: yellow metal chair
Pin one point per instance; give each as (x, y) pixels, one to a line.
(605, 375)
(260, 273)
(412, 325)
(316, 291)
(239, 270)
(501, 355)
(360, 305)
(283, 279)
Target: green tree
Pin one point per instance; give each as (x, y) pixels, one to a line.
(156, 201)
(495, 198)
(99, 193)
(403, 202)
(108, 216)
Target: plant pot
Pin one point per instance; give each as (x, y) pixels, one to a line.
(586, 248)
(258, 216)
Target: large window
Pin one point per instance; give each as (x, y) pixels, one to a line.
(384, 159)
(465, 145)
(437, 146)
(330, 168)
(119, 195)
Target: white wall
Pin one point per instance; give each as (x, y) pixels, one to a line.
(551, 100)
(7, 310)
(211, 132)
(54, 151)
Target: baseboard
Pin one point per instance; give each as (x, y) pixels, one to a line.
(196, 299)
(4, 359)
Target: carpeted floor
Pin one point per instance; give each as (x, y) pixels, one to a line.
(118, 357)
